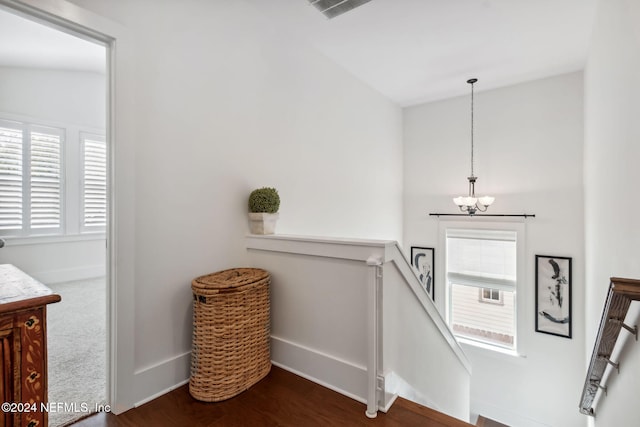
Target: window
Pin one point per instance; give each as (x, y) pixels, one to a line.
(94, 182)
(10, 177)
(481, 272)
(491, 296)
(30, 179)
(53, 179)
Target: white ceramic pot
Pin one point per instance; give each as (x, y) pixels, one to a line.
(262, 223)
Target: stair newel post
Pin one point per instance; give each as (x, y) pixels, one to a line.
(374, 265)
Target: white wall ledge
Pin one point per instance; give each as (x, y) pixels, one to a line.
(330, 247)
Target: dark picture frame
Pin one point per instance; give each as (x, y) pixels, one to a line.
(423, 262)
(553, 295)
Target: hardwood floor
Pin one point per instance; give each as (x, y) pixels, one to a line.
(280, 399)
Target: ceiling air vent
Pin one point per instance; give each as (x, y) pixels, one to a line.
(333, 8)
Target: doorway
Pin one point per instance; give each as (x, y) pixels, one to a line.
(53, 87)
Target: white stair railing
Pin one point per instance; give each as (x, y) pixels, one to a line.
(339, 309)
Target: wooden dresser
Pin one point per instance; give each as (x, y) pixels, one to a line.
(23, 348)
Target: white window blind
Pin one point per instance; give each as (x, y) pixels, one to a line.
(94, 187)
(10, 177)
(46, 179)
(482, 258)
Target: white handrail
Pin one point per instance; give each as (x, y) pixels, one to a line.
(619, 297)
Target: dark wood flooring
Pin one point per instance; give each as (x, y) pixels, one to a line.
(280, 399)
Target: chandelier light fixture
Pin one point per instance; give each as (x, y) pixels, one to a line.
(470, 203)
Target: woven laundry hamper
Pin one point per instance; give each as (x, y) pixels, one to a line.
(231, 333)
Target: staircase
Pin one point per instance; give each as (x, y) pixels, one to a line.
(622, 292)
(485, 422)
(440, 419)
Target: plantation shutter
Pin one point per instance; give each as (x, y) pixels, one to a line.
(45, 186)
(35, 161)
(94, 182)
(11, 176)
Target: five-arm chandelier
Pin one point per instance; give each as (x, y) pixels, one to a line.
(470, 203)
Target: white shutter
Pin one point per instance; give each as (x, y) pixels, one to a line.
(45, 185)
(94, 182)
(11, 173)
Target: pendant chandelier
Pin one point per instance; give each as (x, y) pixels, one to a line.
(470, 203)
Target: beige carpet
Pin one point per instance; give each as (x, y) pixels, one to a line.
(77, 343)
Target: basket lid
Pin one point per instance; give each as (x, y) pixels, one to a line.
(231, 278)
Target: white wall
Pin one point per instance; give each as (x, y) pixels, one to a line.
(74, 101)
(319, 313)
(419, 363)
(72, 97)
(612, 148)
(226, 105)
(529, 147)
(212, 101)
(57, 261)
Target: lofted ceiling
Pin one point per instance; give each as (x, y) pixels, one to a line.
(411, 51)
(414, 51)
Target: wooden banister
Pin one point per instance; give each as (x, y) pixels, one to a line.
(621, 293)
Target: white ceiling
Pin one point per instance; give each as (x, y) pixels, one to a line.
(411, 51)
(414, 51)
(25, 43)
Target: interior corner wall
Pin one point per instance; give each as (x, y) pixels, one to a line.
(528, 154)
(222, 103)
(612, 150)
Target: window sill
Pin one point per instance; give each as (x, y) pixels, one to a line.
(488, 349)
(43, 240)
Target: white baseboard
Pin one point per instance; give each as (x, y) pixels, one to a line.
(164, 376)
(70, 274)
(161, 393)
(331, 372)
(390, 399)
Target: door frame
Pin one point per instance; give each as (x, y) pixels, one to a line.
(68, 17)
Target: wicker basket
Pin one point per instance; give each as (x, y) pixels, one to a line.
(231, 333)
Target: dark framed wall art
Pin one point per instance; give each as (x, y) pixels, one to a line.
(553, 295)
(422, 260)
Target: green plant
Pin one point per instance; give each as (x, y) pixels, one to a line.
(264, 199)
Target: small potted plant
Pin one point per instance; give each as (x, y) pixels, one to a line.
(263, 210)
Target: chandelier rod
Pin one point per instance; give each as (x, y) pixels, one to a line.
(489, 215)
(471, 82)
